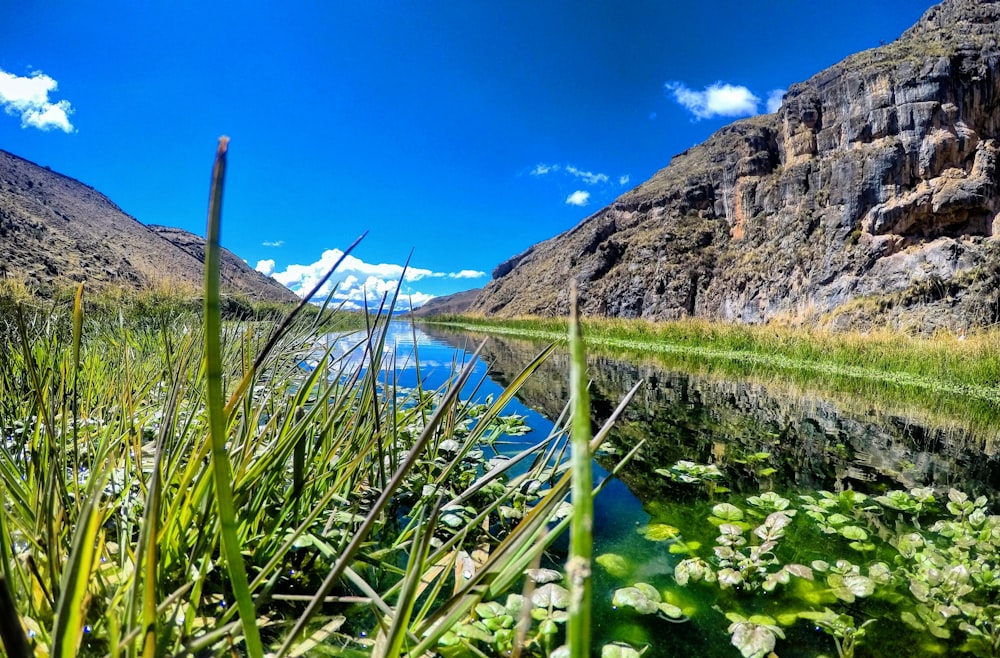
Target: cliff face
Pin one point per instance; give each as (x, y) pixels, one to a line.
(55, 232)
(870, 195)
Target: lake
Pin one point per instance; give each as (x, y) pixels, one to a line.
(712, 443)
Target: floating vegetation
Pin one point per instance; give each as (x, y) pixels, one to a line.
(859, 568)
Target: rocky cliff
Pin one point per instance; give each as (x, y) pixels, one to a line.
(55, 232)
(870, 196)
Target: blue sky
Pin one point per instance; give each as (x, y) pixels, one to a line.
(464, 131)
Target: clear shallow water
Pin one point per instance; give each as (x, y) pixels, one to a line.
(762, 436)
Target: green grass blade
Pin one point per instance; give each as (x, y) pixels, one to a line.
(69, 613)
(396, 635)
(221, 467)
(151, 528)
(77, 339)
(578, 567)
(361, 534)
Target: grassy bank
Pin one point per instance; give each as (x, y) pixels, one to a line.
(955, 365)
(133, 306)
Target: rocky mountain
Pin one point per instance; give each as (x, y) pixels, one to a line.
(455, 303)
(55, 232)
(870, 196)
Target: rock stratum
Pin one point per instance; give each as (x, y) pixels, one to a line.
(56, 232)
(870, 196)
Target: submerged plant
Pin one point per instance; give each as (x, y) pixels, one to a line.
(934, 569)
(691, 472)
(841, 627)
(744, 563)
(755, 636)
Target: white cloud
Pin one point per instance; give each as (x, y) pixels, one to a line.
(774, 100)
(717, 100)
(418, 299)
(623, 180)
(355, 281)
(265, 267)
(588, 177)
(466, 274)
(578, 198)
(274, 243)
(28, 97)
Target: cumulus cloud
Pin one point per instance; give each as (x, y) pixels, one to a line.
(717, 100)
(273, 243)
(28, 98)
(356, 282)
(265, 267)
(578, 198)
(774, 99)
(623, 180)
(542, 169)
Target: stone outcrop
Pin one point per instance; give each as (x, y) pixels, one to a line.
(871, 195)
(55, 232)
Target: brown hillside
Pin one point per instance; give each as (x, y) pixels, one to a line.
(56, 231)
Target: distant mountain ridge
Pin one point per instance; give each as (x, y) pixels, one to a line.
(452, 304)
(56, 231)
(870, 196)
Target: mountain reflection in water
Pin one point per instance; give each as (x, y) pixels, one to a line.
(762, 434)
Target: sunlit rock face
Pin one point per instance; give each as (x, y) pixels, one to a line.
(870, 196)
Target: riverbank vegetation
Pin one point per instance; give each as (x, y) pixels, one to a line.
(125, 304)
(958, 365)
(173, 484)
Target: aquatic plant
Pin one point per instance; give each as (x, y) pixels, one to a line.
(929, 567)
(755, 636)
(691, 472)
(183, 485)
(738, 562)
(841, 627)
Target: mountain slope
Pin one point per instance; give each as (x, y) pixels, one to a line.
(455, 303)
(55, 232)
(235, 274)
(870, 195)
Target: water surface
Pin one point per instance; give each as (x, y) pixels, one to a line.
(763, 434)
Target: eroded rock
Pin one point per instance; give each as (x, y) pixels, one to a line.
(844, 194)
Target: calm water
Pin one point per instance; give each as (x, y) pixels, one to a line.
(761, 435)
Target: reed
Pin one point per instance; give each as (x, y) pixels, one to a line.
(175, 484)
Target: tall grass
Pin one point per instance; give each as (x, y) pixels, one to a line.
(174, 484)
(967, 365)
(581, 533)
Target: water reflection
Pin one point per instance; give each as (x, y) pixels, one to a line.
(762, 434)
